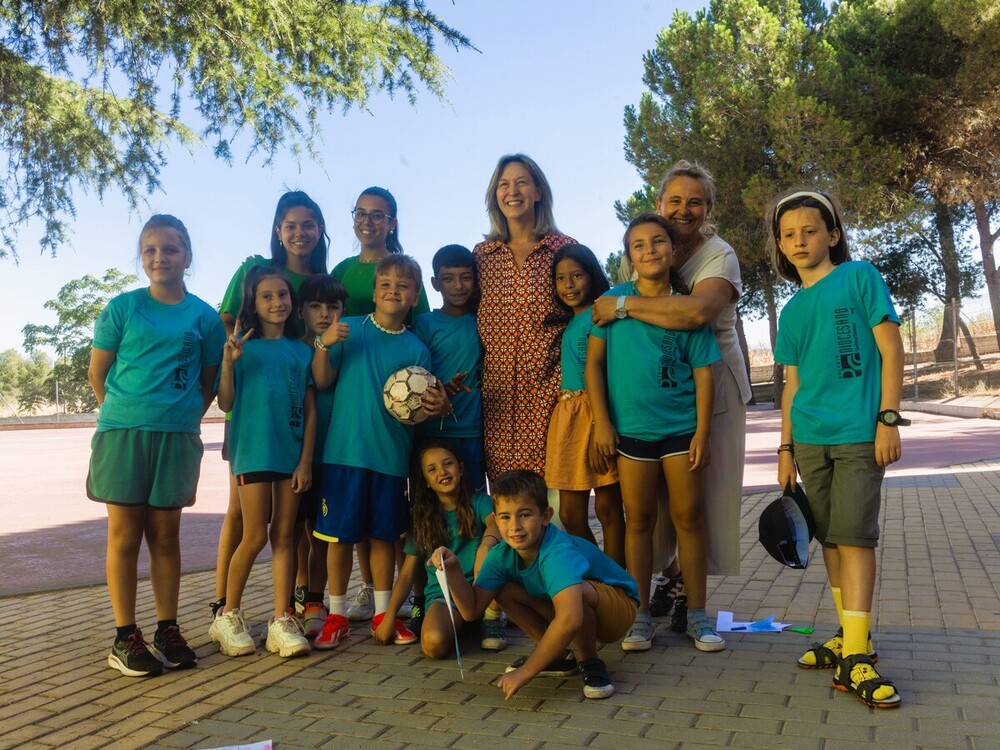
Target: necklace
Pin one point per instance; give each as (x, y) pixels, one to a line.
(371, 317)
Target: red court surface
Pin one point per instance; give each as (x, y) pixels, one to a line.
(53, 537)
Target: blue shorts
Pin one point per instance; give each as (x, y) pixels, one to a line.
(359, 503)
(471, 454)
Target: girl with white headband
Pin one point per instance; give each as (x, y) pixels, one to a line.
(838, 338)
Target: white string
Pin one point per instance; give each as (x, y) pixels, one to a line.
(443, 583)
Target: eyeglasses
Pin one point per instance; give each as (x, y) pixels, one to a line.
(377, 217)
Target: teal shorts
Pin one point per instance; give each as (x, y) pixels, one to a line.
(138, 467)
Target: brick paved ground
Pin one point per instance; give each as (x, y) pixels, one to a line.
(937, 633)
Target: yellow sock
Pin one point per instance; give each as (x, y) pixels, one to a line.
(855, 626)
(838, 600)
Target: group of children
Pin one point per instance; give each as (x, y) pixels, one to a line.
(314, 454)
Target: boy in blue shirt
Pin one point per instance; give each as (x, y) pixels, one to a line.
(559, 589)
(367, 451)
(452, 337)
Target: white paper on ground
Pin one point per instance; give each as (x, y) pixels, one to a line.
(725, 623)
(265, 745)
(443, 583)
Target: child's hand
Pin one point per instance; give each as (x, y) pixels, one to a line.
(457, 384)
(787, 471)
(605, 446)
(385, 632)
(301, 478)
(888, 448)
(441, 557)
(435, 401)
(511, 682)
(700, 452)
(233, 349)
(335, 334)
(603, 311)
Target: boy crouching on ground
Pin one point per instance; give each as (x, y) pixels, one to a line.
(558, 588)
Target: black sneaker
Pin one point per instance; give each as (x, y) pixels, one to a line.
(132, 658)
(661, 603)
(299, 600)
(172, 650)
(679, 618)
(556, 668)
(596, 681)
(417, 615)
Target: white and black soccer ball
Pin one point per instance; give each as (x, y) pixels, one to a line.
(402, 391)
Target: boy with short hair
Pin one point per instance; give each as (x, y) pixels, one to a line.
(451, 335)
(560, 589)
(321, 305)
(366, 455)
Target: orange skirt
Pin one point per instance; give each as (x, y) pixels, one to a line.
(567, 455)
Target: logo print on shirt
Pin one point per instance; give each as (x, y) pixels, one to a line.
(668, 359)
(846, 329)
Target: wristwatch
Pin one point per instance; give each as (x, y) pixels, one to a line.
(892, 418)
(620, 312)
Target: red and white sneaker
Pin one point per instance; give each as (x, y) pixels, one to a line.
(334, 628)
(404, 636)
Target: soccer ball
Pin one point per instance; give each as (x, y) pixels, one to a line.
(402, 391)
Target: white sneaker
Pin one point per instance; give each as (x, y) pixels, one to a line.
(285, 637)
(700, 630)
(229, 630)
(363, 607)
(640, 636)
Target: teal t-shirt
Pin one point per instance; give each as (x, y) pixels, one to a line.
(271, 380)
(651, 390)
(574, 350)
(826, 331)
(464, 549)
(359, 280)
(324, 415)
(563, 560)
(362, 433)
(455, 347)
(154, 383)
(232, 301)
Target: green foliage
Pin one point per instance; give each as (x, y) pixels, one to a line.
(81, 87)
(26, 380)
(77, 307)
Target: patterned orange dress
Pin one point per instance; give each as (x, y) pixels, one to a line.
(520, 326)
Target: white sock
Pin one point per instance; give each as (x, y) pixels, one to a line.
(338, 604)
(382, 601)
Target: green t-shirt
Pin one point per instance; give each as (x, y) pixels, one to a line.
(154, 383)
(455, 347)
(359, 280)
(651, 391)
(574, 350)
(271, 380)
(563, 560)
(826, 331)
(362, 433)
(464, 549)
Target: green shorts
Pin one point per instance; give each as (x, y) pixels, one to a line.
(844, 487)
(138, 467)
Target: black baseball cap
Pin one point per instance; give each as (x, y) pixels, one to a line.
(786, 527)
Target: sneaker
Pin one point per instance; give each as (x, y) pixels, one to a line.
(313, 617)
(285, 638)
(217, 606)
(404, 636)
(417, 616)
(492, 632)
(640, 635)
(406, 608)
(661, 603)
(172, 650)
(334, 629)
(700, 630)
(679, 617)
(229, 630)
(363, 607)
(132, 657)
(299, 599)
(596, 681)
(563, 667)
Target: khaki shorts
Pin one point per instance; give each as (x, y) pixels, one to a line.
(615, 612)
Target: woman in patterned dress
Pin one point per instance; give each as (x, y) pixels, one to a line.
(519, 321)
